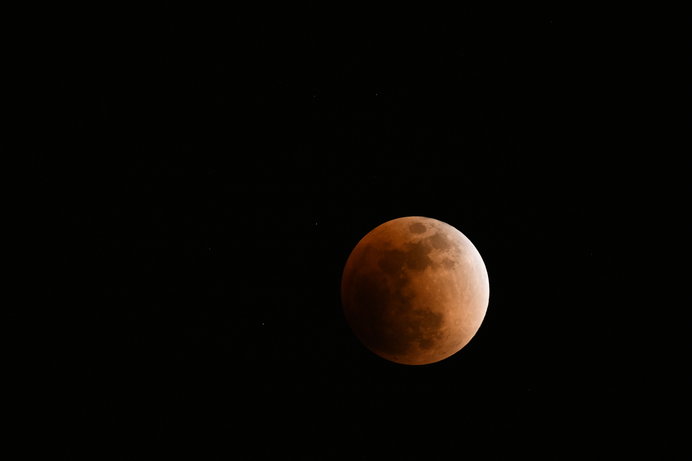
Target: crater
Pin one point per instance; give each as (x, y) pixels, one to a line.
(440, 241)
(448, 263)
(392, 262)
(417, 228)
(414, 256)
(417, 256)
(428, 328)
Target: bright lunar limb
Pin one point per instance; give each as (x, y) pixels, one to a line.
(415, 290)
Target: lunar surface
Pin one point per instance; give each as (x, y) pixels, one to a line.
(415, 290)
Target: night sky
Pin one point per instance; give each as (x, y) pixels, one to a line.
(210, 172)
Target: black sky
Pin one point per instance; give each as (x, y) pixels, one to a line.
(210, 172)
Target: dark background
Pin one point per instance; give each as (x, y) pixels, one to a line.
(209, 171)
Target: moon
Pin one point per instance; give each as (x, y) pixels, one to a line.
(415, 290)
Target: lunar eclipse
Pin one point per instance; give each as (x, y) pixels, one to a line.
(415, 290)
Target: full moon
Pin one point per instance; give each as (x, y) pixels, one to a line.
(415, 290)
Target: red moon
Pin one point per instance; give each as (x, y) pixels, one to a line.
(415, 290)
